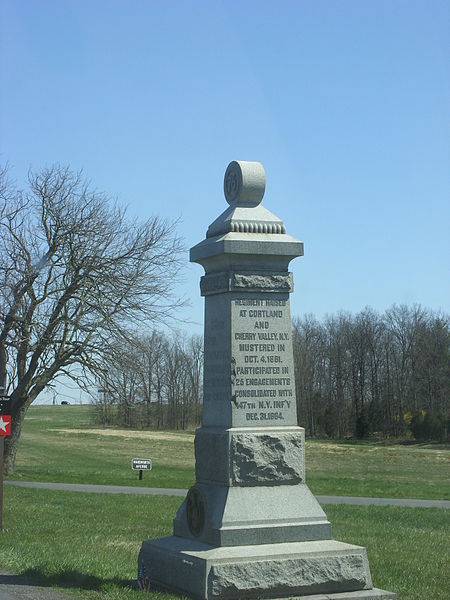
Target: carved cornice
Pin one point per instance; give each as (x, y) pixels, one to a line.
(247, 227)
(244, 219)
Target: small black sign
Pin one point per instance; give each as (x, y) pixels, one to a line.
(140, 464)
(5, 407)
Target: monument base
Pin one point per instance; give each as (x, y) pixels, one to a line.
(316, 570)
(373, 594)
(247, 516)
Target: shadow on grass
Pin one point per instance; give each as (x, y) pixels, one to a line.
(64, 579)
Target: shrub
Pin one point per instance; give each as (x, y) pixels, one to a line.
(426, 426)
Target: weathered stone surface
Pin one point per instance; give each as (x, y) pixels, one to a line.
(246, 457)
(216, 283)
(263, 459)
(269, 282)
(271, 571)
(302, 574)
(229, 281)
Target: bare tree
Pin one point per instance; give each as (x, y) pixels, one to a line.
(74, 272)
(194, 362)
(309, 358)
(152, 380)
(148, 365)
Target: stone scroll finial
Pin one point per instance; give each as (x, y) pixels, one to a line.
(244, 183)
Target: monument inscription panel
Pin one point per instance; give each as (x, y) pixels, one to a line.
(263, 390)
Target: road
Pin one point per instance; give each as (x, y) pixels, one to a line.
(18, 587)
(118, 489)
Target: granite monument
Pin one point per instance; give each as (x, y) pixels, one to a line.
(250, 527)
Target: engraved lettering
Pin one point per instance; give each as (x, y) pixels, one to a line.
(261, 343)
(252, 416)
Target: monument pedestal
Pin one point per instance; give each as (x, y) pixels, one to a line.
(250, 527)
(283, 570)
(250, 489)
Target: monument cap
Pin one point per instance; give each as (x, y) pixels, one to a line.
(244, 183)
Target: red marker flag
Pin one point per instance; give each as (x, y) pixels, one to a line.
(5, 424)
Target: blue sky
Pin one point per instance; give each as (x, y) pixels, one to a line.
(346, 103)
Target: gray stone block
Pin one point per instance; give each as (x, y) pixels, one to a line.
(249, 457)
(232, 281)
(254, 515)
(267, 458)
(212, 450)
(249, 365)
(373, 594)
(265, 251)
(244, 183)
(269, 571)
(309, 573)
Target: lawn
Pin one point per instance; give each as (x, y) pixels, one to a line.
(87, 544)
(378, 469)
(60, 443)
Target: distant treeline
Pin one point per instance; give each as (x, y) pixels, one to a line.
(373, 373)
(356, 375)
(152, 381)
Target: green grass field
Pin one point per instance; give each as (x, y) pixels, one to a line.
(60, 443)
(87, 544)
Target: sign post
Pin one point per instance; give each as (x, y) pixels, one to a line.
(2, 452)
(5, 430)
(141, 464)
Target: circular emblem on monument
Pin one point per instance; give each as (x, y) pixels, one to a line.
(195, 511)
(232, 182)
(244, 183)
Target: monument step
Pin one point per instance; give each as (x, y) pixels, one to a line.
(373, 594)
(315, 570)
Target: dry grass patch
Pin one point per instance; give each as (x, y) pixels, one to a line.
(131, 434)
